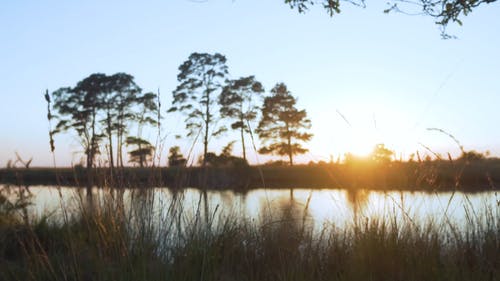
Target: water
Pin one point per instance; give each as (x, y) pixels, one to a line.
(315, 207)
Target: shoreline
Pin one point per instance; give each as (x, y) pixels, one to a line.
(408, 176)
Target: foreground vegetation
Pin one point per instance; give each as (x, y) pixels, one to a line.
(128, 239)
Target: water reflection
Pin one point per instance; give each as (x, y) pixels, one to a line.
(358, 200)
(310, 208)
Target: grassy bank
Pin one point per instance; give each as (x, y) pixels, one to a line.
(431, 175)
(105, 240)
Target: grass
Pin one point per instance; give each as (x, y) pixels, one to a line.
(111, 238)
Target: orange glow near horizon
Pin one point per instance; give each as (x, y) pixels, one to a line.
(361, 144)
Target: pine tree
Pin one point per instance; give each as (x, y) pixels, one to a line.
(282, 125)
(200, 79)
(237, 102)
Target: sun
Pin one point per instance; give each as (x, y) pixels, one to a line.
(360, 148)
(361, 143)
(357, 132)
(336, 144)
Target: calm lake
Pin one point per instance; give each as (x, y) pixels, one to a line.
(314, 207)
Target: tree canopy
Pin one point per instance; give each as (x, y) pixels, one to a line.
(443, 11)
(102, 107)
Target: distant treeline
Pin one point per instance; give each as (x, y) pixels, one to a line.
(436, 175)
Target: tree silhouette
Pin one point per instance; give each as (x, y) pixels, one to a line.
(473, 155)
(225, 158)
(101, 107)
(77, 109)
(175, 157)
(237, 102)
(200, 78)
(107, 104)
(282, 124)
(125, 94)
(143, 152)
(444, 11)
(145, 114)
(381, 154)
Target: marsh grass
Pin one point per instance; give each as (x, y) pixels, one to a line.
(134, 236)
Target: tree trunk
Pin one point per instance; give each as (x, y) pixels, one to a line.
(243, 144)
(119, 133)
(110, 139)
(90, 158)
(121, 145)
(119, 136)
(120, 149)
(243, 132)
(141, 156)
(289, 138)
(89, 169)
(205, 145)
(207, 122)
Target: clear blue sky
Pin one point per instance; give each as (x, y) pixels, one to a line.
(390, 75)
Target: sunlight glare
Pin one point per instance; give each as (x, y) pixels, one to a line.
(362, 143)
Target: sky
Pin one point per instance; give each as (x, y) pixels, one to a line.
(364, 77)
